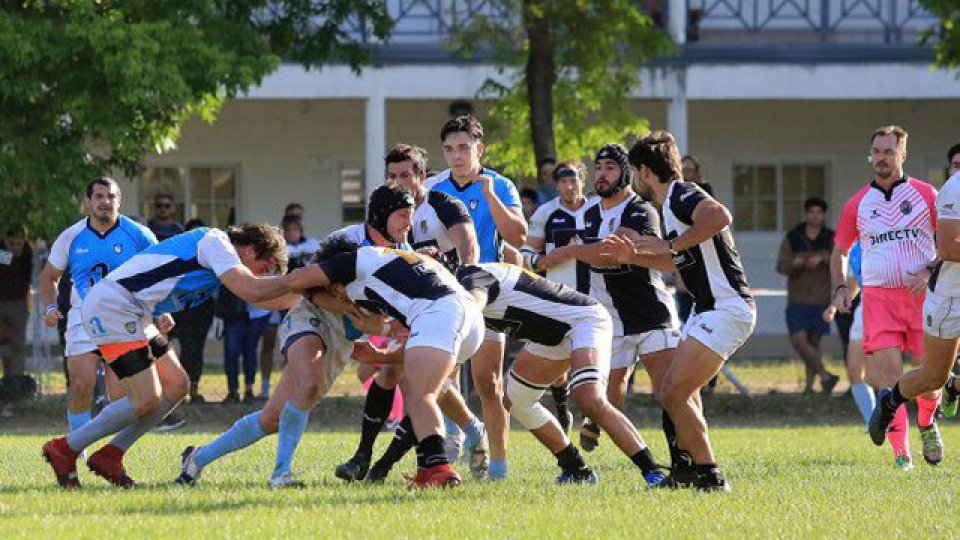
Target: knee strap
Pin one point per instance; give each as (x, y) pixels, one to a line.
(525, 402)
(159, 346)
(132, 362)
(587, 375)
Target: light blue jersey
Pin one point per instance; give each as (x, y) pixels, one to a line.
(91, 255)
(471, 195)
(179, 272)
(855, 259)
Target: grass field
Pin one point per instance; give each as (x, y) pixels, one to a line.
(788, 482)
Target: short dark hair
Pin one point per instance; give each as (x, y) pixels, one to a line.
(335, 246)
(401, 152)
(194, 223)
(954, 150)
(291, 206)
(658, 151)
(17, 231)
(544, 161)
(529, 193)
(814, 201)
(464, 123)
(159, 196)
(574, 165)
(105, 181)
(291, 221)
(266, 240)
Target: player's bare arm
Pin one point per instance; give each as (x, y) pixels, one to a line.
(948, 239)
(842, 295)
(464, 237)
(510, 222)
(241, 282)
(49, 277)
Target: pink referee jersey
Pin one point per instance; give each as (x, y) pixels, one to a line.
(895, 230)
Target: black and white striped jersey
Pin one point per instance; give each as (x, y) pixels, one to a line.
(636, 297)
(559, 226)
(395, 283)
(433, 219)
(712, 270)
(524, 305)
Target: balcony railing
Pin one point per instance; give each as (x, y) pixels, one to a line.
(739, 30)
(827, 21)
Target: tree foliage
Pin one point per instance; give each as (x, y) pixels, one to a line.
(595, 52)
(947, 47)
(90, 87)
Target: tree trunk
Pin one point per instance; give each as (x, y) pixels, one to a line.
(540, 76)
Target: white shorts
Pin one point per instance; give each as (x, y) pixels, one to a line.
(722, 330)
(111, 315)
(452, 324)
(627, 350)
(305, 319)
(856, 329)
(593, 332)
(78, 341)
(493, 335)
(941, 316)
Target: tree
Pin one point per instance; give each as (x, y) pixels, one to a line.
(91, 87)
(576, 64)
(947, 45)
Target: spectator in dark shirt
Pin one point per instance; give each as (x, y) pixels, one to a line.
(16, 266)
(528, 202)
(191, 331)
(805, 260)
(163, 223)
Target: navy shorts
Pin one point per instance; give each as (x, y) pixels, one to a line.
(807, 318)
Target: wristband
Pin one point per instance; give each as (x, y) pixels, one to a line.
(49, 309)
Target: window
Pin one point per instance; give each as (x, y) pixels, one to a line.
(769, 197)
(205, 193)
(353, 194)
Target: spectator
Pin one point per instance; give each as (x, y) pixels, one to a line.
(16, 267)
(691, 173)
(191, 331)
(546, 184)
(528, 201)
(243, 325)
(294, 209)
(953, 157)
(163, 224)
(805, 260)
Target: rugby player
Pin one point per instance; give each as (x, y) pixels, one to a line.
(564, 330)
(445, 328)
(700, 246)
(643, 312)
(494, 205)
(91, 248)
(554, 224)
(162, 279)
(894, 218)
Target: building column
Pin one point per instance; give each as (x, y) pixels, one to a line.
(375, 141)
(677, 109)
(677, 21)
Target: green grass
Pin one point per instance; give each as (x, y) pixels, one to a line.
(788, 482)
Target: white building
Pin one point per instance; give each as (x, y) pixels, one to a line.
(777, 98)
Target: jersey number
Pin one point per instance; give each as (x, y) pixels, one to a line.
(99, 268)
